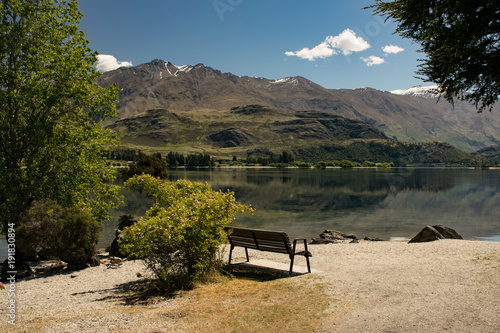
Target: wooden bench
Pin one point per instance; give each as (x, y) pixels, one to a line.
(265, 240)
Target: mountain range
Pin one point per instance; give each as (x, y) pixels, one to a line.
(196, 108)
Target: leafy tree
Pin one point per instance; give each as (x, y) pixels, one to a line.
(285, 157)
(175, 159)
(461, 39)
(181, 235)
(148, 164)
(51, 110)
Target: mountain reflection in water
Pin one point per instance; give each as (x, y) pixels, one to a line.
(385, 203)
(381, 203)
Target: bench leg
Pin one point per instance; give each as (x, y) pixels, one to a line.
(307, 255)
(230, 254)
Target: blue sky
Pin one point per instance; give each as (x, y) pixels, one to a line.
(334, 43)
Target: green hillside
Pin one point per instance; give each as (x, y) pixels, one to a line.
(259, 131)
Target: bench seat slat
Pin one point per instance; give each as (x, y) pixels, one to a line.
(274, 249)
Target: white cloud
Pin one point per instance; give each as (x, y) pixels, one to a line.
(106, 63)
(373, 60)
(322, 50)
(392, 49)
(345, 43)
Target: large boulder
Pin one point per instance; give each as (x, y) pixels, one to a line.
(114, 248)
(436, 232)
(335, 236)
(332, 236)
(124, 222)
(447, 232)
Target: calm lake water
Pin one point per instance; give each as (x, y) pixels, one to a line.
(383, 203)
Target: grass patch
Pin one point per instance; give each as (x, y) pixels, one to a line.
(247, 301)
(253, 302)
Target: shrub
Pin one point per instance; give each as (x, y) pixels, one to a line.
(50, 230)
(348, 164)
(320, 165)
(181, 235)
(301, 164)
(333, 163)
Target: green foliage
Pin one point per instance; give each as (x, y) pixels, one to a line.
(199, 160)
(301, 164)
(122, 154)
(320, 165)
(285, 157)
(369, 164)
(51, 138)
(333, 163)
(460, 39)
(181, 235)
(50, 230)
(146, 164)
(175, 159)
(192, 160)
(399, 153)
(348, 164)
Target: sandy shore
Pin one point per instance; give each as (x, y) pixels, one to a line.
(447, 285)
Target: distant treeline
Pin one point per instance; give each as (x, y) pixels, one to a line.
(284, 158)
(192, 160)
(174, 160)
(122, 154)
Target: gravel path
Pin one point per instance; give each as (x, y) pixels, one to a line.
(447, 285)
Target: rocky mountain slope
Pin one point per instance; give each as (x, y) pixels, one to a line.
(199, 95)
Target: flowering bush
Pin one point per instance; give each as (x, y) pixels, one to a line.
(181, 235)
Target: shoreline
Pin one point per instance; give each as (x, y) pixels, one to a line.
(396, 239)
(224, 166)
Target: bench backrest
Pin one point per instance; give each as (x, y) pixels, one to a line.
(264, 240)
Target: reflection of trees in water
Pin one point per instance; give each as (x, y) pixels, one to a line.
(275, 196)
(394, 200)
(308, 190)
(438, 180)
(331, 189)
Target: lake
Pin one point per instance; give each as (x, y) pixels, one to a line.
(384, 203)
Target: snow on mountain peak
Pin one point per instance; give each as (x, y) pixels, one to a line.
(174, 70)
(185, 68)
(284, 80)
(419, 91)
